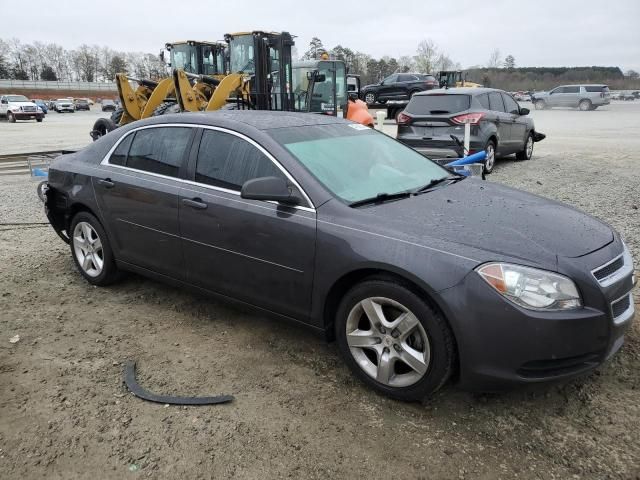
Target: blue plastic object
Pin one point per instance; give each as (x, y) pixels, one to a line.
(37, 172)
(475, 158)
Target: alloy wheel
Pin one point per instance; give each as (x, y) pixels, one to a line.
(370, 98)
(388, 342)
(529, 147)
(491, 157)
(87, 248)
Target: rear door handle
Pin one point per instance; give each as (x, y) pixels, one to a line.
(106, 183)
(196, 203)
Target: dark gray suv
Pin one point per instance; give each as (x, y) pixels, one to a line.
(498, 124)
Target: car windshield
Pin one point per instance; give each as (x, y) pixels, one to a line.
(355, 162)
(442, 103)
(107, 102)
(17, 98)
(81, 101)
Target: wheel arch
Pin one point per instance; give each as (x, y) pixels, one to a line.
(348, 280)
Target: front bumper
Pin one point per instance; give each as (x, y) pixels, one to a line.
(28, 115)
(501, 344)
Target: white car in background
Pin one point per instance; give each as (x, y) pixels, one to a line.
(19, 107)
(64, 105)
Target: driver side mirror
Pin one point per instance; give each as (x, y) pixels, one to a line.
(524, 111)
(4, 101)
(269, 189)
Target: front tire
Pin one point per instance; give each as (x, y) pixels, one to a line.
(527, 150)
(490, 161)
(393, 340)
(11, 117)
(91, 250)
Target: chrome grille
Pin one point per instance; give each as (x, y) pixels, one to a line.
(29, 108)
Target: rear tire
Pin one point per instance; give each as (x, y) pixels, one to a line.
(527, 152)
(585, 105)
(423, 339)
(102, 127)
(490, 161)
(540, 105)
(116, 116)
(370, 98)
(91, 250)
(166, 108)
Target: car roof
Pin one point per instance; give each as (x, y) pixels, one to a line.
(260, 120)
(458, 91)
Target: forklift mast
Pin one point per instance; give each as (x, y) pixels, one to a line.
(265, 57)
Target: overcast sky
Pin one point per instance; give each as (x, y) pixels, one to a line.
(536, 33)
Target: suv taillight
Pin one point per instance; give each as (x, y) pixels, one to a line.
(403, 119)
(472, 118)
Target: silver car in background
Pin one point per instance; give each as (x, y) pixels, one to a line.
(64, 105)
(584, 97)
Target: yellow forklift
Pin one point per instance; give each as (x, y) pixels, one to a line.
(263, 77)
(455, 78)
(152, 97)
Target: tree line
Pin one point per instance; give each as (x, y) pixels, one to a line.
(88, 63)
(93, 63)
(429, 58)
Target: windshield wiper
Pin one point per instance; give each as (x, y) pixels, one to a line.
(379, 198)
(437, 181)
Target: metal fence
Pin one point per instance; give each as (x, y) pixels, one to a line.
(45, 85)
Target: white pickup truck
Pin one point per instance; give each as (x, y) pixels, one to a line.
(19, 107)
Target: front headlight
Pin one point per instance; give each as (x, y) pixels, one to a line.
(531, 288)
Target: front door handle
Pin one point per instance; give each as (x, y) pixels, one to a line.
(106, 183)
(196, 203)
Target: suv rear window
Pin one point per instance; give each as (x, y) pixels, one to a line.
(596, 89)
(436, 104)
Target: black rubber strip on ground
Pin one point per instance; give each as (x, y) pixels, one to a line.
(138, 391)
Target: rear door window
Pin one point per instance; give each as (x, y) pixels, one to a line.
(571, 89)
(438, 104)
(510, 104)
(495, 102)
(228, 161)
(159, 150)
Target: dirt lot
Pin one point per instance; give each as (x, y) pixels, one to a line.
(298, 412)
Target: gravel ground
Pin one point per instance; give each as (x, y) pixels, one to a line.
(298, 413)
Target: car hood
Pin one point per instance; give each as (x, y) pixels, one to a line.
(373, 85)
(492, 218)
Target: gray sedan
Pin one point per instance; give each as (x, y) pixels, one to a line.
(325, 222)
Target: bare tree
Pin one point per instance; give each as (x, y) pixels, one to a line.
(495, 59)
(406, 63)
(426, 56)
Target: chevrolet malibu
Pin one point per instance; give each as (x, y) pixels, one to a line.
(334, 225)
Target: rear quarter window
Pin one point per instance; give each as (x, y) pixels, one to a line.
(483, 100)
(438, 104)
(597, 89)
